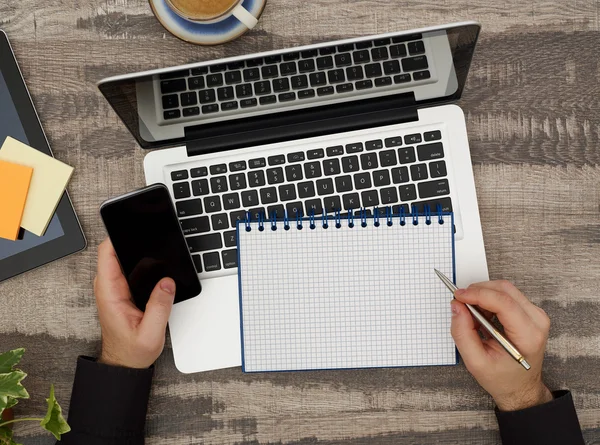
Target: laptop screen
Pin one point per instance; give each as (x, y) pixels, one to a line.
(254, 93)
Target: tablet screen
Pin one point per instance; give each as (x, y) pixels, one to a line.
(10, 125)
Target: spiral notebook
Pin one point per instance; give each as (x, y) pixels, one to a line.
(341, 293)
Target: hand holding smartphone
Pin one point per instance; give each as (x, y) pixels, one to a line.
(147, 237)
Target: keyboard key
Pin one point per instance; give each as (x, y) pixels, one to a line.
(237, 166)
(218, 184)
(325, 91)
(219, 222)
(287, 97)
(172, 114)
(218, 68)
(296, 156)
(345, 88)
(293, 173)
(198, 172)
(273, 59)
(254, 62)
(345, 47)
(332, 204)
(189, 208)
(395, 141)
(179, 175)
(306, 66)
(331, 167)
(343, 184)
(350, 164)
(170, 101)
(212, 108)
(327, 50)
(199, 70)
(391, 67)
(381, 178)
(237, 181)
(336, 76)
(257, 163)
(336, 150)
(380, 53)
(204, 242)
(225, 93)
(231, 201)
(175, 74)
(361, 57)
(351, 201)
(229, 106)
(193, 111)
(233, 77)
(402, 78)
(269, 71)
(275, 175)
(207, 96)
(214, 80)
(267, 100)
(244, 90)
(197, 263)
(412, 139)
(291, 56)
(373, 70)
(278, 210)
(363, 45)
(268, 195)
(397, 51)
(212, 204)
(189, 99)
(354, 73)
(358, 213)
(400, 175)
(421, 75)
(370, 198)
(262, 88)
(294, 209)
(230, 238)
(353, 148)
(364, 84)
(415, 63)
(368, 161)
(388, 195)
(374, 145)
(362, 181)
(314, 207)
(408, 192)
(383, 82)
(312, 170)
(325, 63)
(287, 192)
(218, 169)
(276, 160)
(256, 178)
(396, 209)
(239, 216)
(251, 74)
(437, 169)
(250, 198)
(288, 69)
(315, 154)
(406, 155)
(281, 84)
(344, 59)
(300, 82)
(230, 258)
(247, 103)
(429, 136)
(325, 187)
(181, 190)
(317, 79)
(434, 188)
(417, 47)
(211, 261)
(172, 86)
(430, 151)
(306, 94)
(306, 190)
(445, 203)
(406, 38)
(381, 42)
(418, 172)
(387, 158)
(309, 53)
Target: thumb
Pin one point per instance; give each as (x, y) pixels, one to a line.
(465, 336)
(158, 310)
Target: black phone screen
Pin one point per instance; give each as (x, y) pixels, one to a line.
(147, 238)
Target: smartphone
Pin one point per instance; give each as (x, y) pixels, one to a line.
(149, 243)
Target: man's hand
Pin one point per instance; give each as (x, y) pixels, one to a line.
(525, 325)
(130, 337)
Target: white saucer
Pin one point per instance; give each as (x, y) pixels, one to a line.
(203, 34)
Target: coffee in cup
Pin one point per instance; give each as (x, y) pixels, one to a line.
(211, 11)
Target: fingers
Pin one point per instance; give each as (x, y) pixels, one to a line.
(108, 265)
(110, 283)
(465, 336)
(158, 310)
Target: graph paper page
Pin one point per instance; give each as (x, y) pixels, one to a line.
(356, 297)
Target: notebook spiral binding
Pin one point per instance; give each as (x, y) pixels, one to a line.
(336, 217)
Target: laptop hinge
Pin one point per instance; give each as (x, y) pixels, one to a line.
(298, 124)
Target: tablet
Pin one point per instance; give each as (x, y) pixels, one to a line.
(19, 120)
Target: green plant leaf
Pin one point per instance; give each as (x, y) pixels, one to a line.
(11, 402)
(10, 385)
(54, 421)
(6, 436)
(10, 359)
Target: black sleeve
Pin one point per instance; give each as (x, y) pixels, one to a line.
(553, 423)
(108, 404)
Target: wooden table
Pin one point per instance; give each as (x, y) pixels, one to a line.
(532, 108)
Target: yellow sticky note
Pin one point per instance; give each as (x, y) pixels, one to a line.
(14, 184)
(48, 183)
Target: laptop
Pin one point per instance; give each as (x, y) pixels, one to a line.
(366, 122)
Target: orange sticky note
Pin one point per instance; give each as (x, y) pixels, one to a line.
(14, 185)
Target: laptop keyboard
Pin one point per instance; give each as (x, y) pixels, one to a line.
(312, 75)
(401, 172)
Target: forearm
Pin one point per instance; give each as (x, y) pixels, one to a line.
(554, 422)
(108, 404)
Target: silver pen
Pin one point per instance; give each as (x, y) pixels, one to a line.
(510, 348)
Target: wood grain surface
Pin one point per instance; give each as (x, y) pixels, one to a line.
(533, 115)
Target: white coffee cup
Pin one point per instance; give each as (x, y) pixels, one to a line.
(236, 9)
